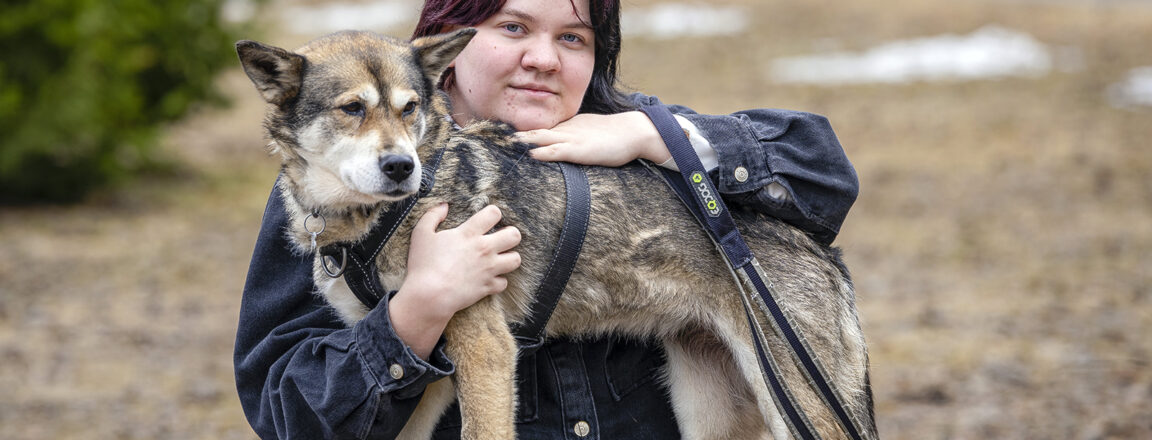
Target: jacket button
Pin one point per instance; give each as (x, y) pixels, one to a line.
(396, 371)
(582, 429)
(741, 174)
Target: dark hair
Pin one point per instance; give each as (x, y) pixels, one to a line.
(602, 95)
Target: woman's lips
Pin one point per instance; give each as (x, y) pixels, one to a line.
(534, 90)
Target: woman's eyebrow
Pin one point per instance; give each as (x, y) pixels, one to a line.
(530, 19)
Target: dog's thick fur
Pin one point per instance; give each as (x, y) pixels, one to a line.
(647, 269)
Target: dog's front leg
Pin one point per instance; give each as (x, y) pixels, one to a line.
(484, 351)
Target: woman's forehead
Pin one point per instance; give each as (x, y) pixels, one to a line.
(574, 13)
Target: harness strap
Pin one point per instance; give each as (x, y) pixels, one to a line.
(578, 208)
(696, 190)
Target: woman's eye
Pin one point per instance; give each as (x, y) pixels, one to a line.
(408, 109)
(353, 108)
(512, 27)
(571, 38)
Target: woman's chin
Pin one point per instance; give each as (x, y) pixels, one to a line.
(534, 119)
(528, 125)
(534, 123)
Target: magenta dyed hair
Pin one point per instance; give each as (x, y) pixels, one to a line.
(602, 96)
(440, 14)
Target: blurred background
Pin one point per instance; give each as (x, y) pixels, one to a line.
(999, 247)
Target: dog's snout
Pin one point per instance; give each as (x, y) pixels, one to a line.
(396, 167)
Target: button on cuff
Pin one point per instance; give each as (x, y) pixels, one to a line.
(396, 371)
(390, 361)
(582, 429)
(741, 174)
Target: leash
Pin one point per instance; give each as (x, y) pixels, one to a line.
(362, 277)
(696, 190)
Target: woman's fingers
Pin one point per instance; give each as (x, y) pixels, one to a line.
(506, 262)
(605, 140)
(504, 239)
(482, 221)
(432, 218)
(552, 145)
(562, 152)
(497, 284)
(542, 137)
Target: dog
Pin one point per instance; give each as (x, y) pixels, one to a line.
(355, 116)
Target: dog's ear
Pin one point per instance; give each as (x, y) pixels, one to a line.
(436, 52)
(276, 72)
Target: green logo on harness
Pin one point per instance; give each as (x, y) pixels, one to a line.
(704, 189)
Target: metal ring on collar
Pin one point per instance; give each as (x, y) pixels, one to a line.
(323, 223)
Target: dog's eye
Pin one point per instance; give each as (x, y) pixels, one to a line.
(408, 109)
(353, 108)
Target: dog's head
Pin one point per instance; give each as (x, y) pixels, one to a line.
(350, 110)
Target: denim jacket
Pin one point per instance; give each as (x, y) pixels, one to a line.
(302, 374)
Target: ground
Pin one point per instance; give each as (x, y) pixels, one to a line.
(999, 246)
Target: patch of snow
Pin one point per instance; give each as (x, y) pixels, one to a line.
(237, 11)
(674, 20)
(1134, 91)
(377, 16)
(989, 52)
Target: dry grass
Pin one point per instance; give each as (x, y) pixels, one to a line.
(999, 245)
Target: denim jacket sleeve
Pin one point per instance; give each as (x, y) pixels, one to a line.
(796, 150)
(300, 372)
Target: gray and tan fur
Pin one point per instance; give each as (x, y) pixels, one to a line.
(647, 269)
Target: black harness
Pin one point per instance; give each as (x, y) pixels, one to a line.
(357, 261)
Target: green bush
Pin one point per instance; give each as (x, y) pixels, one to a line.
(85, 85)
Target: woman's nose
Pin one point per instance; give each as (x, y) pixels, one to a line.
(541, 55)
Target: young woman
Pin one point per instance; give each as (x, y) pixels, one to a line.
(548, 67)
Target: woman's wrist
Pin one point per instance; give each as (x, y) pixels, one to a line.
(649, 145)
(415, 321)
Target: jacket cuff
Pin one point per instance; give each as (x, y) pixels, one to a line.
(396, 368)
(740, 169)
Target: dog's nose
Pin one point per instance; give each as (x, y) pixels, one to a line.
(396, 167)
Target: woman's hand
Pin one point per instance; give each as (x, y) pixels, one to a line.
(449, 270)
(606, 140)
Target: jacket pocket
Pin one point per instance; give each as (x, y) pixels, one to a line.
(630, 364)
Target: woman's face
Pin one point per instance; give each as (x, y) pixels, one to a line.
(528, 65)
